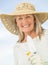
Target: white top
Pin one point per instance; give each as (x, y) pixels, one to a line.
(35, 46)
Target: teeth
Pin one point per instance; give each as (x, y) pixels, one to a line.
(26, 26)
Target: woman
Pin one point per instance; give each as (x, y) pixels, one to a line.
(32, 46)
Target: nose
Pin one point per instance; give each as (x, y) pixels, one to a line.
(24, 21)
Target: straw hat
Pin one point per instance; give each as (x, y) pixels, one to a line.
(0, 15)
(23, 8)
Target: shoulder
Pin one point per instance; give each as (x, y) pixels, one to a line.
(46, 31)
(17, 46)
(16, 49)
(45, 35)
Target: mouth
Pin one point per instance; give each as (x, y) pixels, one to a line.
(26, 26)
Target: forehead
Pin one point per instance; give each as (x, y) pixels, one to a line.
(24, 15)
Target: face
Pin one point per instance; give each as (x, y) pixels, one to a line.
(25, 22)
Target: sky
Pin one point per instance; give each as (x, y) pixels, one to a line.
(8, 40)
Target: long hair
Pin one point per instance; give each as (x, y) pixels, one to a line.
(37, 28)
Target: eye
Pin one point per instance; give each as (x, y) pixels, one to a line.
(27, 16)
(20, 18)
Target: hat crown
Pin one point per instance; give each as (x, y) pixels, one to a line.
(25, 6)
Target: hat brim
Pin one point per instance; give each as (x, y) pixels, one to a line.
(0, 15)
(9, 19)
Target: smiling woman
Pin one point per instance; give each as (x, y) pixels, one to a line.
(32, 46)
(25, 23)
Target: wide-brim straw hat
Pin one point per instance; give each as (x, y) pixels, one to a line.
(21, 9)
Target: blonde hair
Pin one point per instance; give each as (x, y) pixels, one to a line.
(37, 28)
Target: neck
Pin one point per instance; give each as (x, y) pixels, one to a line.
(31, 34)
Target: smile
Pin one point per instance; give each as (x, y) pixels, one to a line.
(25, 26)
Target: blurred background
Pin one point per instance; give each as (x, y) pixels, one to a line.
(8, 40)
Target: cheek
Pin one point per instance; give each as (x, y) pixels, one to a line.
(32, 24)
(18, 24)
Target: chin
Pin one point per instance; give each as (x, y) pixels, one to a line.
(26, 31)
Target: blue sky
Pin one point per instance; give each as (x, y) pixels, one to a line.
(8, 40)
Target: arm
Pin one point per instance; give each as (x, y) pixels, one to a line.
(15, 55)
